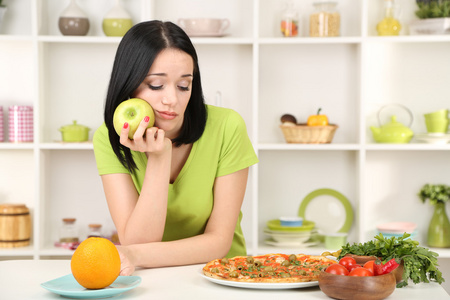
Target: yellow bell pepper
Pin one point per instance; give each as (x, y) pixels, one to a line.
(317, 120)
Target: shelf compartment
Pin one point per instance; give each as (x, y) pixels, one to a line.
(76, 192)
(299, 79)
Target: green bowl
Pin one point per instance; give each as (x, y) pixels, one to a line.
(276, 225)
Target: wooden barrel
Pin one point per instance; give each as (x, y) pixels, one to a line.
(15, 225)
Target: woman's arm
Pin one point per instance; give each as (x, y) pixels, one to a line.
(141, 218)
(229, 191)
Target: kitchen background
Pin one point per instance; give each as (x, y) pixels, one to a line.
(251, 68)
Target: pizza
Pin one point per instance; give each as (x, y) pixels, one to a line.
(268, 268)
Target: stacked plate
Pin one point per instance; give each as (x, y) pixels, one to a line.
(397, 229)
(291, 236)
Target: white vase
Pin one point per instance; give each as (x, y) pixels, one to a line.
(117, 21)
(73, 20)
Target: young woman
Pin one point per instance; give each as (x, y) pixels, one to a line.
(175, 190)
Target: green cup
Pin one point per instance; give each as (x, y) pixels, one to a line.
(440, 114)
(336, 240)
(437, 125)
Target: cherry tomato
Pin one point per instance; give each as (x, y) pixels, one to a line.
(337, 269)
(347, 261)
(351, 267)
(360, 272)
(369, 266)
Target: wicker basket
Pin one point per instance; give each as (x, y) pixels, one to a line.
(303, 134)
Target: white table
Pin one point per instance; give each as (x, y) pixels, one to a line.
(21, 279)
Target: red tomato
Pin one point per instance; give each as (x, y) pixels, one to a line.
(337, 269)
(369, 266)
(347, 261)
(360, 272)
(351, 267)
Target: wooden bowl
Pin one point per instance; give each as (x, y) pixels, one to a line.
(357, 287)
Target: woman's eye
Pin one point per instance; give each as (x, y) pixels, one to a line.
(155, 87)
(184, 88)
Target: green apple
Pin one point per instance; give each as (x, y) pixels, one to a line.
(132, 111)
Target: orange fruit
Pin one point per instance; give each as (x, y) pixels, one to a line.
(95, 263)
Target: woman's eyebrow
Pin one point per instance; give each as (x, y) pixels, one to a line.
(164, 74)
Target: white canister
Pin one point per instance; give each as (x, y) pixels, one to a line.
(20, 123)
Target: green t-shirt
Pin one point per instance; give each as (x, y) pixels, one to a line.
(224, 148)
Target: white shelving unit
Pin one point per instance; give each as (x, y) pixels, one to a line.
(259, 74)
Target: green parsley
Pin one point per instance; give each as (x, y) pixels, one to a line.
(420, 264)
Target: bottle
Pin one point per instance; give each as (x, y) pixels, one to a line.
(68, 232)
(325, 21)
(289, 20)
(95, 230)
(73, 20)
(389, 25)
(117, 21)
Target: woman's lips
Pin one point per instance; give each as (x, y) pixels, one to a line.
(167, 115)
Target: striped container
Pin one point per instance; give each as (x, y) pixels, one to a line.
(2, 137)
(20, 123)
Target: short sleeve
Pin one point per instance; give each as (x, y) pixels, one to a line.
(107, 161)
(237, 151)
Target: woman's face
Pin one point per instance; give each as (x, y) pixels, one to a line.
(167, 88)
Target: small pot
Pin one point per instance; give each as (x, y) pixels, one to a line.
(75, 133)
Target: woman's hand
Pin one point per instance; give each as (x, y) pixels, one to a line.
(145, 139)
(126, 267)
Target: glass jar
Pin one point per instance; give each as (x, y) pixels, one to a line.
(325, 21)
(389, 25)
(289, 20)
(95, 230)
(68, 232)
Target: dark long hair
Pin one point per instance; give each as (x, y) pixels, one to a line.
(134, 57)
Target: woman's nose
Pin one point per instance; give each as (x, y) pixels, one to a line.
(170, 97)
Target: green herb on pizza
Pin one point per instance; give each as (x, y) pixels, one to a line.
(420, 264)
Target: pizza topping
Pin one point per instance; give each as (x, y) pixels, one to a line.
(268, 268)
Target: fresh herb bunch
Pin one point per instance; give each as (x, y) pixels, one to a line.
(433, 9)
(436, 193)
(420, 264)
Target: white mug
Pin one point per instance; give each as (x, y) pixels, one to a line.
(204, 26)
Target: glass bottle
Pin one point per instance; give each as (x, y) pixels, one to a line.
(389, 25)
(325, 21)
(95, 230)
(117, 21)
(68, 232)
(289, 20)
(73, 20)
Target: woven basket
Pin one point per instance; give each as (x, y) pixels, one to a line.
(303, 134)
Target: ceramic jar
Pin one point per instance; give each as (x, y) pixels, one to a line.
(117, 21)
(73, 20)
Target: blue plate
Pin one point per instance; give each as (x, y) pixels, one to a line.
(67, 286)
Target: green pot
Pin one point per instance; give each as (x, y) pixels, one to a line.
(439, 229)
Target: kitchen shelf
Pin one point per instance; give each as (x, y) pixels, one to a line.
(257, 73)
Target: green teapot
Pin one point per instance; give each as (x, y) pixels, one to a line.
(393, 132)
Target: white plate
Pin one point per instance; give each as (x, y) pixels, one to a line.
(261, 285)
(330, 210)
(290, 244)
(433, 138)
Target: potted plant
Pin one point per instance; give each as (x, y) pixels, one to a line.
(439, 228)
(434, 17)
